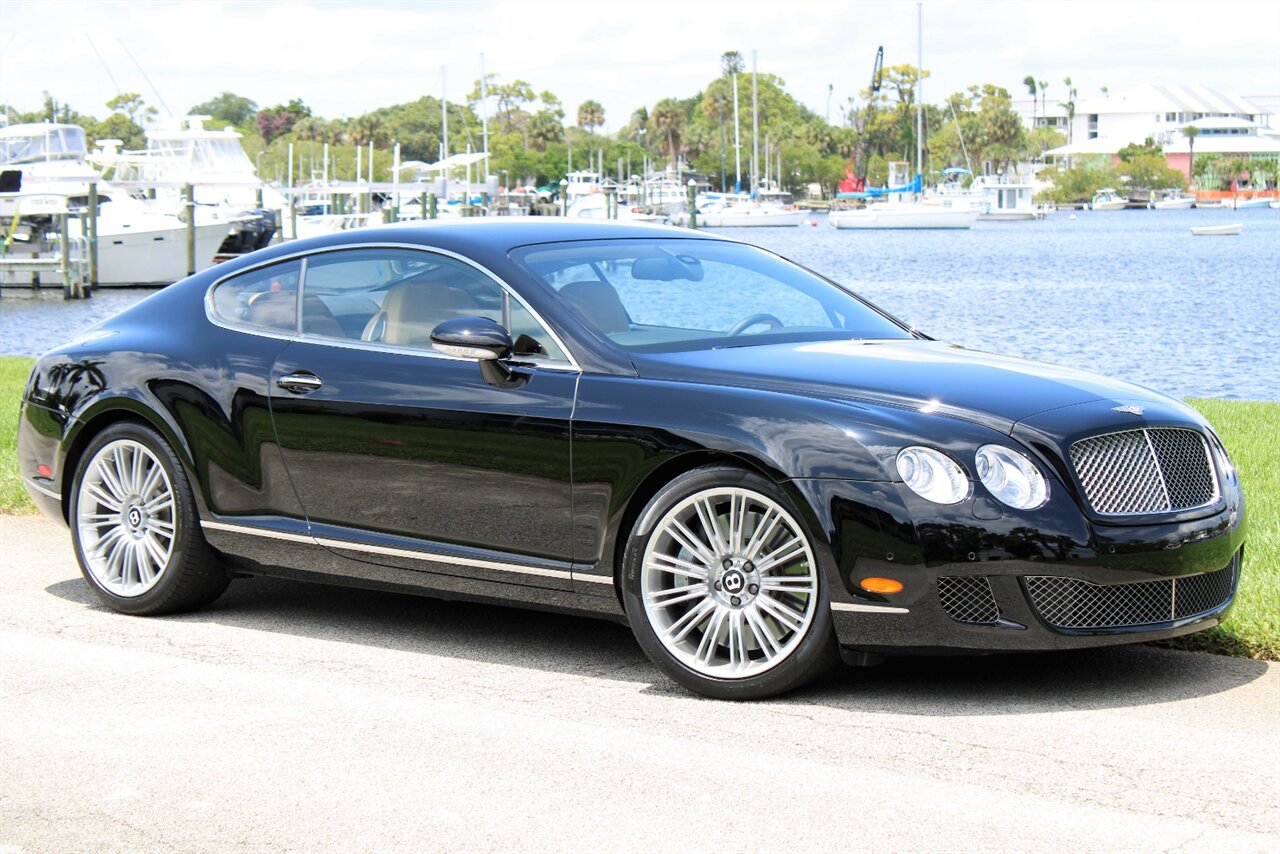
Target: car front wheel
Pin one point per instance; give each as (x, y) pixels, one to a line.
(722, 587)
(135, 526)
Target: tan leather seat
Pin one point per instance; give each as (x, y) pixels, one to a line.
(411, 310)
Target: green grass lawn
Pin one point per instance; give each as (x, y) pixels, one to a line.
(13, 376)
(1247, 428)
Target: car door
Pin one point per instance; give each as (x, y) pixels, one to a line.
(406, 457)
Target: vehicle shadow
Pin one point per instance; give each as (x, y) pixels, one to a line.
(1007, 684)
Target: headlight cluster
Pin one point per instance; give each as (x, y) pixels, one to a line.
(1011, 477)
(1008, 475)
(933, 475)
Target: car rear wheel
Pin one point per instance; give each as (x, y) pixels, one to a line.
(135, 527)
(722, 587)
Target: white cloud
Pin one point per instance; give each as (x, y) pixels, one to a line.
(343, 58)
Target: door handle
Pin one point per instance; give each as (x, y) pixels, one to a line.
(300, 382)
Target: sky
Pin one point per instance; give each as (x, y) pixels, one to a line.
(345, 58)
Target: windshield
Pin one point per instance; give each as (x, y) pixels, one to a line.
(656, 296)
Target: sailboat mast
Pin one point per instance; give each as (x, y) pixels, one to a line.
(919, 92)
(737, 142)
(755, 130)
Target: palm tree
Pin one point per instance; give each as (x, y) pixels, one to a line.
(668, 118)
(1071, 107)
(590, 115)
(1030, 83)
(1191, 132)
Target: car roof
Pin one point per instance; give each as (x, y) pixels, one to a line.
(511, 231)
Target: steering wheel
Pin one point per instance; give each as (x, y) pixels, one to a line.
(751, 320)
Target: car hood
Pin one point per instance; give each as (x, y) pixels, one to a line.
(930, 376)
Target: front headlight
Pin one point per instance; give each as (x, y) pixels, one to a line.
(933, 475)
(1011, 477)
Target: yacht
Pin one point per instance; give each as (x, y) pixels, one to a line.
(137, 244)
(1106, 199)
(226, 186)
(1173, 200)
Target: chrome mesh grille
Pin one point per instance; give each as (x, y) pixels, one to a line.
(968, 599)
(1070, 603)
(1159, 470)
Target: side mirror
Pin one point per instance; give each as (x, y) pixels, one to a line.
(472, 338)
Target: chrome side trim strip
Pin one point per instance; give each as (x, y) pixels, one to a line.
(43, 490)
(868, 609)
(595, 579)
(436, 557)
(430, 557)
(258, 532)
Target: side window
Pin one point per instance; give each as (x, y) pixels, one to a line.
(398, 296)
(266, 298)
(392, 296)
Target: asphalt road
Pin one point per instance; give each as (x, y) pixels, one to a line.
(296, 717)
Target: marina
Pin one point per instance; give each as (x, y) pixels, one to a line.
(1130, 294)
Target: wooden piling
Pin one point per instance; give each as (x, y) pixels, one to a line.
(431, 205)
(93, 234)
(189, 207)
(65, 260)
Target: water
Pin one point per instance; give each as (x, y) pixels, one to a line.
(1129, 294)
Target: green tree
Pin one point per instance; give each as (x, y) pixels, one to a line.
(1148, 148)
(1079, 183)
(131, 105)
(731, 63)
(590, 115)
(668, 120)
(1151, 172)
(1070, 105)
(228, 107)
(1030, 83)
(1191, 132)
(1003, 138)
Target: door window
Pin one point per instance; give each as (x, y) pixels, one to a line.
(398, 296)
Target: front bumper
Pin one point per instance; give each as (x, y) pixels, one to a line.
(977, 584)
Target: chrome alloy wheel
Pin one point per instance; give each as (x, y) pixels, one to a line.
(125, 514)
(729, 583)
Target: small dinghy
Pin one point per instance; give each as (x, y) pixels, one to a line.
(1209, 230)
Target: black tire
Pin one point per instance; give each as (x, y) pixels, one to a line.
(653, 596)
(140, 568)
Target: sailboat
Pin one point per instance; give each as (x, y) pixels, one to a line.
(894, 210)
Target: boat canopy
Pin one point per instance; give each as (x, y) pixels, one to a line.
(33, 143)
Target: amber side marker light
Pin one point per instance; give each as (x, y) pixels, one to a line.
(875, 584)
(44, 471)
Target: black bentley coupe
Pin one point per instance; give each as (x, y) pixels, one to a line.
(752, 467)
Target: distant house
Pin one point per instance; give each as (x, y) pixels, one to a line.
(1228, 125)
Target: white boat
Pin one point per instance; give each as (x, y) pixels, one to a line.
(1005, 200)
(137, 244)
(1242, 204)
(940, 211)
(1214, 230)
(596, 206)
(226, 186)
(905, 215)
(1106, 199)
(1173, 200)
(760, 214)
